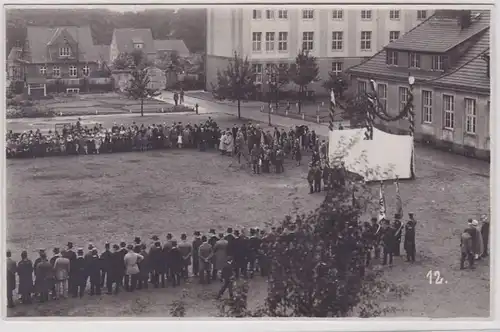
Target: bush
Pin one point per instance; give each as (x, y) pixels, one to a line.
(30, 111)
(176, 109)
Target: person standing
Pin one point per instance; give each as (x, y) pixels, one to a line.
(25, 273)
(158, 264)
(105, 264)
(116, 270)
(467, 250)
(186, 250)
(196, 246)
(377, 237)
(144, 267)
(52, 262)
(227, 278)
(388, 239)
(166, 254)
(253, 250)
(205, 256)
(398, 226)
(409, 243)
(317, 179)
(485, 234)
(220, 254)
(11, 279)
(181, 95)
(44, 277)
(479, 246)
(71, 255)
(131, 261)
(311, 173)
(94, 272)
(80, 274)
(61, 271)
(176, 99)
(175, 264)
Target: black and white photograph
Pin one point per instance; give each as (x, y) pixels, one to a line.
(248, 161)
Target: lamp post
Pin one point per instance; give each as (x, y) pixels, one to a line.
(377, 110)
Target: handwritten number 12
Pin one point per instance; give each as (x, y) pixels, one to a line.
(434, 277)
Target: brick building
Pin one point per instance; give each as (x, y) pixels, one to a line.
(448, 54)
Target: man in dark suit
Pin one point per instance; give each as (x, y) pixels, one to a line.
(105, 263)
(196, 245)
(398, 227)
(212, 240)
(175, 264)
(116, 270)
(80, 279)
(229, 238)
(409, 243)
(11, 279)
(388, 240)
(157, 264)
(94, 272)
(227, 278)
(71, 255)
(253, 250)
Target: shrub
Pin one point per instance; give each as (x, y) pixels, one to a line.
(30, 111)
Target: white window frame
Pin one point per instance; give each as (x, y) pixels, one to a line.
(73, 90)
(338, 15)
(437, 63)
(392, 58)
(43, 70)
(414, 60)
(337, 67)
(366, 15)
(270, 40)
(309, 42)
(73, 71)
(362, 86)
(403, 93)
(283, 42)
(421, 17)
(56, 71)
(449, 112)
(257, 68)
(257, 14)
(337, 41)
(138, 46)
(86, 70)
(308, 14)
(395, 15)
(393, 34)
(64, 51)
(256, 42)
(470, 116)
(270, 15)
(427, 100)
(382, 93)
(283, 14)
(366, 41)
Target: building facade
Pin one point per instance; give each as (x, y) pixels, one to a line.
(339, 38)
(448, 54)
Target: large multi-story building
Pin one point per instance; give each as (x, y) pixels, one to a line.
(448, 54)
(339, 38)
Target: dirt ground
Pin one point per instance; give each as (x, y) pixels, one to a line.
(113, 197)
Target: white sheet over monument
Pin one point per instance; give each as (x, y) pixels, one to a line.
(386, 157)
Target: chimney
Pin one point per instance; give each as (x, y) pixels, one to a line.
(464, 19)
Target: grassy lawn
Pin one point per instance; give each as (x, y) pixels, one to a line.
(119, 196)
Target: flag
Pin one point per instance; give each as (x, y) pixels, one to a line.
(399, 203)
(382, 211)
(332, 109)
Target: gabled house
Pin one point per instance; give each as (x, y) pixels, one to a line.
(59, 59)
(448, 54)
(170, 46)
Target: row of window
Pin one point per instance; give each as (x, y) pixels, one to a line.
(438, 61)
(336, 14)
(308, 40)
(427, 116)
(259, 70)
(73, 71)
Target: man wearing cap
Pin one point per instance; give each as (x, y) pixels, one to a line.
(398, 226)
(196, 246)
(105, 264)
(186, 250)
(61, 271)
(205, 255)
(409, 242)
(11, 279)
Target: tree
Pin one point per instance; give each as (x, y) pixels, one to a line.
(304, 71)
(337, 82)
(318, 260)
(236, 82)
(355, 110)
(280, 76)
(138, 88)
(123, 61)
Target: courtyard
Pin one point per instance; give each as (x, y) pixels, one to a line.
(111, 197)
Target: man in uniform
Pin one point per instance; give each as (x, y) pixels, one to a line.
(409, 243)
(398, 226)
(388, 237)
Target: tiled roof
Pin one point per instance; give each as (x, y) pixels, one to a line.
(471, 70)
(124, 39)
(438, 34)
(177, 45)
(39, 38)
(102, 52)
(14, 53)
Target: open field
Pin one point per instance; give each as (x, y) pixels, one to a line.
(112, 197)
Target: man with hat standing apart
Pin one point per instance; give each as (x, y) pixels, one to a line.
(409, 243)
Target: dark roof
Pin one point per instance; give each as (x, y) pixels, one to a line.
(177, 45)
(440, 34)
(125, 38)
(471, 70)
(14, 54)
(40, 37)
(103, 52)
